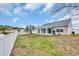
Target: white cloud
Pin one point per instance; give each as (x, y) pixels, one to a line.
(36, 24)
(64, 10)
(6, 8)
(31, 6)
(48, 7)
(15, 19)
(6, 12)
(17, 10)
(49, 21)
(22, 26)
(75, 11)
(65, 17)
(75, 22)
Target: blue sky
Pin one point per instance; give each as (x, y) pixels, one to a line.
(22, 14)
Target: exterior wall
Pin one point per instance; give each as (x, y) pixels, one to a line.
(22, 31)
(70, 28)
(65, 30)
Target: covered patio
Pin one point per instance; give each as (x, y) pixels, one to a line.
(45, 31)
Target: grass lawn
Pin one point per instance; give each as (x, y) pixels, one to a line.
(41, 45)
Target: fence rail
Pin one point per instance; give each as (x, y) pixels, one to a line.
(6, 43)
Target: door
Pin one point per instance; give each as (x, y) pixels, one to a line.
(53, 32)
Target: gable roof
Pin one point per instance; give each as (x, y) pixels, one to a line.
(61, 23)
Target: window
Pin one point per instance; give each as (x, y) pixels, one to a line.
(49, 30)
(61, 30)
(57, 30)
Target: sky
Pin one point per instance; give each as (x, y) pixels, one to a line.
(22, 14)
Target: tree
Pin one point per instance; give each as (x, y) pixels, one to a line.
(27, 28)
(3, 28)
(30, 28)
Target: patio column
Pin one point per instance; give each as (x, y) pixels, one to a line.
(51, 31)
(40, 31)
(46, 31)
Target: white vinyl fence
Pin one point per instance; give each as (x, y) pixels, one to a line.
(6, 43)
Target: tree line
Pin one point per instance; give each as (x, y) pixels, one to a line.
(28, 28)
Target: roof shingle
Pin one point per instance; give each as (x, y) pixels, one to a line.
(57, 24)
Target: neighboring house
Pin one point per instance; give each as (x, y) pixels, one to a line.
(58, 27)
(21, 31)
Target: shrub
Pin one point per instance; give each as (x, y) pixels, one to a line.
(4, 32)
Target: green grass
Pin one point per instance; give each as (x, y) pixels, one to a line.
(37, 42)
(75, 35)
(45, 45)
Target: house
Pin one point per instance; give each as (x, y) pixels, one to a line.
(21, 31)
(59, 27)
